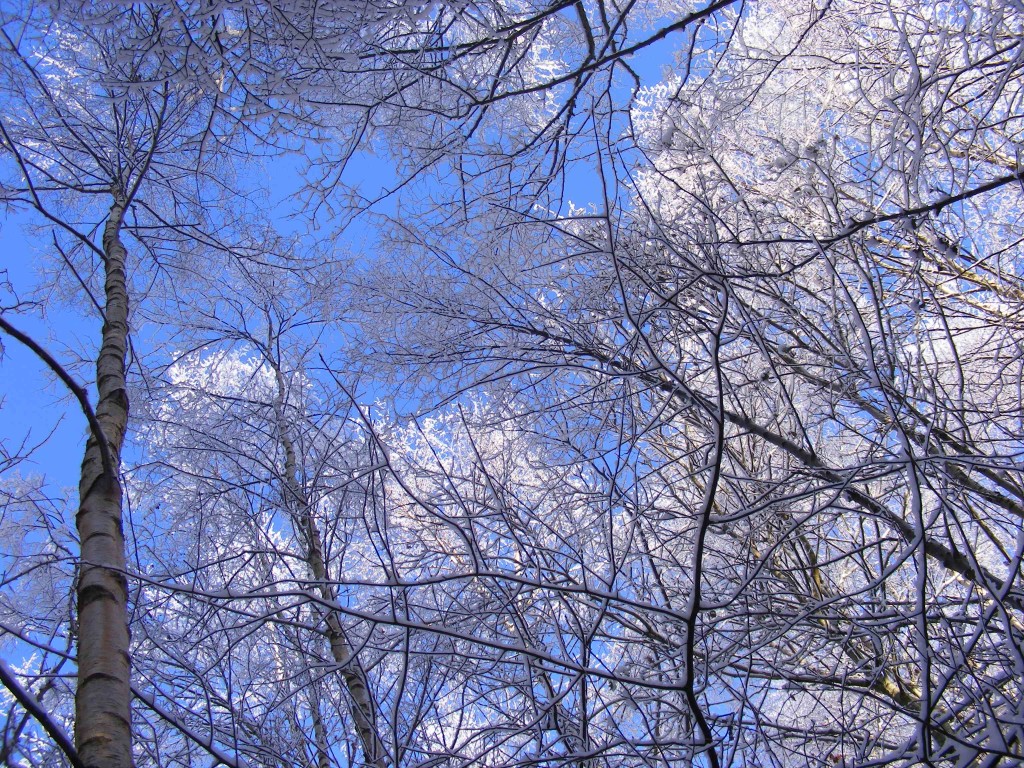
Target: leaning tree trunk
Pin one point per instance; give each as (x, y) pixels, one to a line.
(103, 696)
(361, 703)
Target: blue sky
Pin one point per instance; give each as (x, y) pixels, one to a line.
(35, 408)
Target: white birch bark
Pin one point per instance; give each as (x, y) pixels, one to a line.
(361, 704)
(103, 696)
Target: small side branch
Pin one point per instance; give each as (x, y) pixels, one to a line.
(76, 389)
(35, 709)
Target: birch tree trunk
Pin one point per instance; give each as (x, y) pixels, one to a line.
(103, 696)
(361, 704)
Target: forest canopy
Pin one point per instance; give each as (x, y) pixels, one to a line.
(512, 383)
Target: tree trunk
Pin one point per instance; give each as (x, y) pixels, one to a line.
(361, 704)
(103, 696)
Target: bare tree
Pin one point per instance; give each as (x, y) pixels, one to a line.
(768, 322)
(102, 144)
(703, 438)
(244, 433)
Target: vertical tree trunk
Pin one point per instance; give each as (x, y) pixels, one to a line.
(103, 697)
